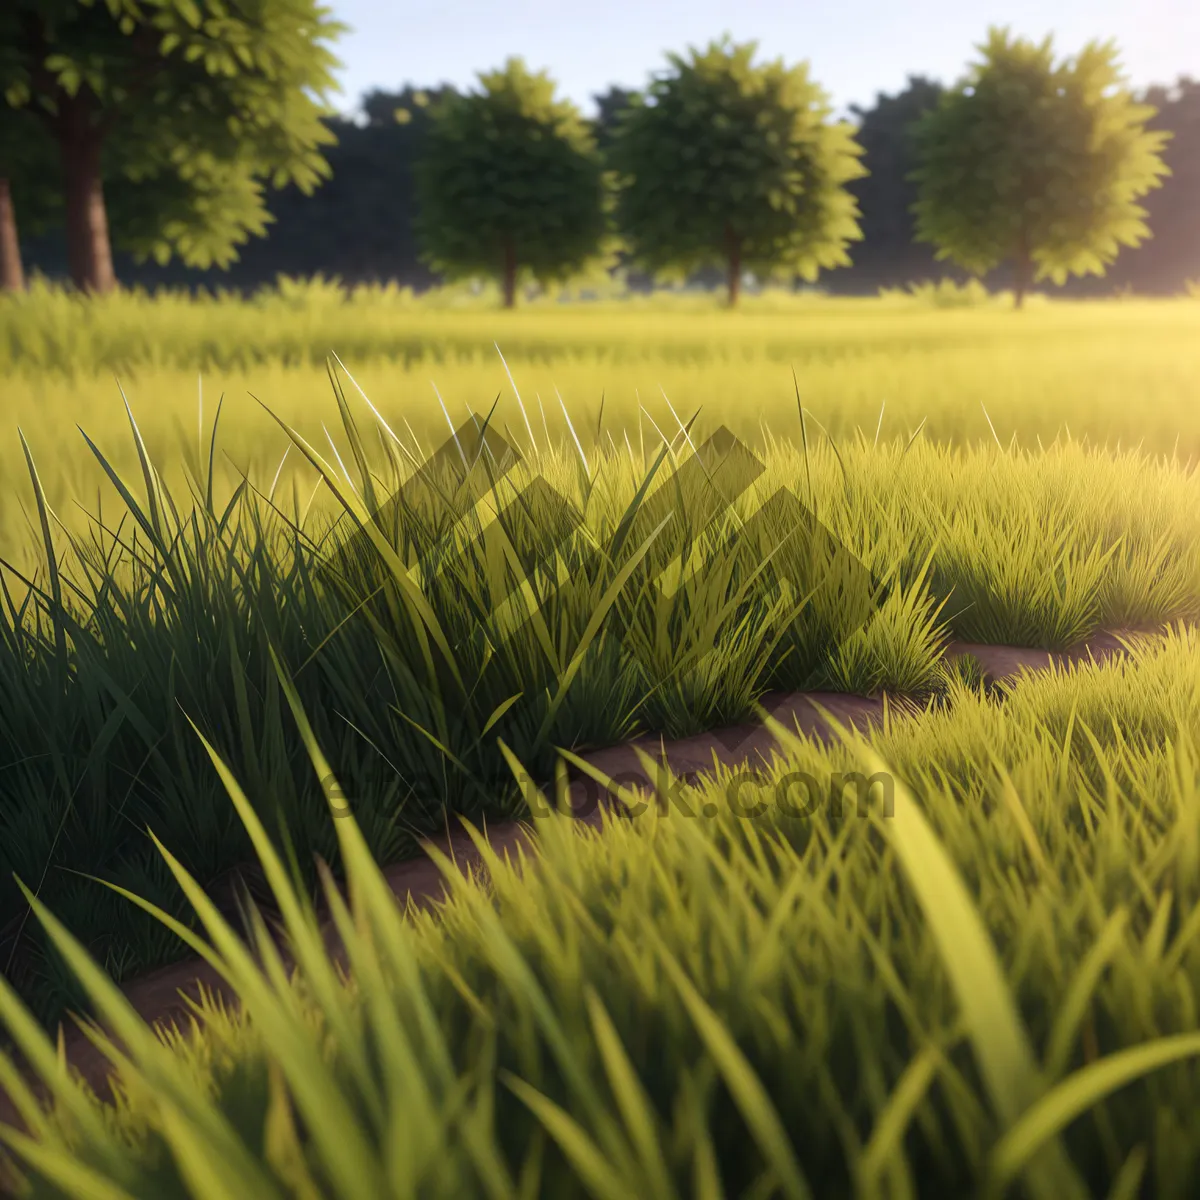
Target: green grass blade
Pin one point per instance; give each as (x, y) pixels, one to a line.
(887, 1136)
(998, 1036)
(593, 1169)
(747, 1089)
(1073, 1097)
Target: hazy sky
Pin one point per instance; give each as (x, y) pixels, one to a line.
(856, 47)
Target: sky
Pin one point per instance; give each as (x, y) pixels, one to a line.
(856, 48)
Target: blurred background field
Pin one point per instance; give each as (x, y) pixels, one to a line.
(949, 362)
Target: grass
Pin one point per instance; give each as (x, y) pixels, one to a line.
(1116, 372)
(992, 980)
(995, 982)
(417, 647)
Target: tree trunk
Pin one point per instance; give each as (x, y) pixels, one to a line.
(733, 255)
(1022, 270)
(89, 252)
(510, 275)
(12, 275)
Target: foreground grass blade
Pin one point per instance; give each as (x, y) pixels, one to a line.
(1073, 1097)
(631, 1097)
(892, 1123)
(71, 1176)
(593, 1169)
(202, 1132)
(998, 1037)
(751, 1097)
(60, 636)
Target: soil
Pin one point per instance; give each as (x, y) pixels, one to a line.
(159, 997)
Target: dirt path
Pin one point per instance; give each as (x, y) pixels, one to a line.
(159, 995)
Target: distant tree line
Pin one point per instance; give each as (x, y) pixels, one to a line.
(507, 180)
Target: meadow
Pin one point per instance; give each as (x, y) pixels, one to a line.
(992, 989)
(964, 369)
(309, 587)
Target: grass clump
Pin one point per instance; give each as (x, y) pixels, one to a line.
(945, 293)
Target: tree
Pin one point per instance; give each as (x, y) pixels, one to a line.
(510, 180)
(726, 163)
(1036, 163)
(192, 97)
(12, 274)
(356, 226)
(198, 211)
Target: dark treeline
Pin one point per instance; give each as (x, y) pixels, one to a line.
(357, 226)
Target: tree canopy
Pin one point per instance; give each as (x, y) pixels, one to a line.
(194, 105)
(198, 212)
(510, 181)
(724, 162)
(1036, 163)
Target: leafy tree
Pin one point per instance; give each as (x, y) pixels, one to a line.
(191, 102)
(725, 163)
(199, 214)
(198, 211)
(510, 180)
(1036, 163)
(357, 226)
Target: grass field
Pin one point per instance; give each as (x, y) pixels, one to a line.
(418, 652)
(1117, 371)
(996, 982)
(812, 1000)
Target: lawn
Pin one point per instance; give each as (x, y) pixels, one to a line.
(421, 633)
(1108, 371)
(435, 609)
(996, 980)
